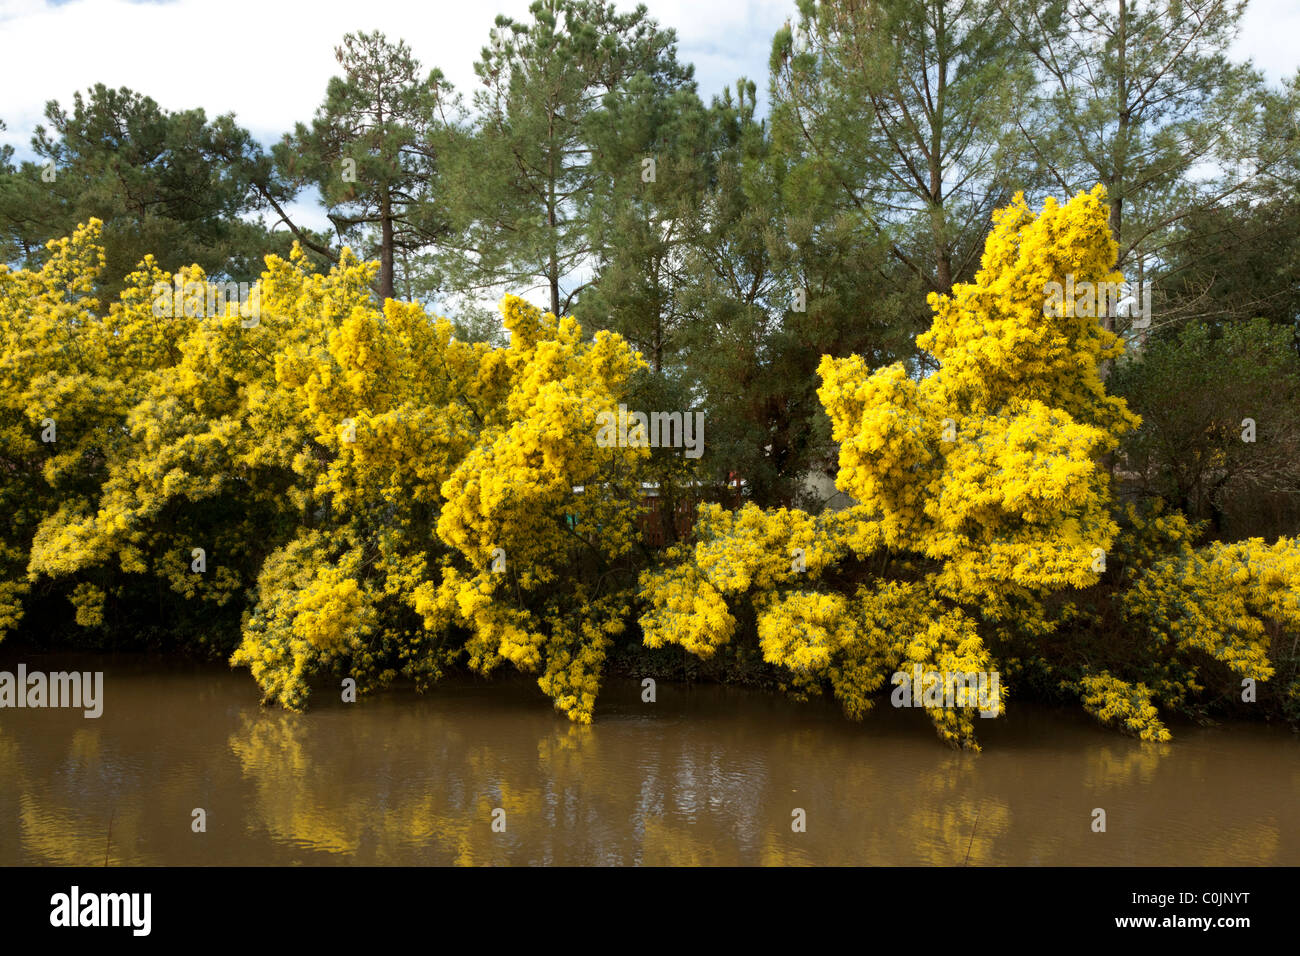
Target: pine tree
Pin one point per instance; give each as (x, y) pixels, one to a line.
(373, 147)
(525, 171)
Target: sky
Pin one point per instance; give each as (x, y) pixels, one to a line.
(268, 61)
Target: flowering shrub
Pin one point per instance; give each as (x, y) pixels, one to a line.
(376, 496)
(356, 493)
(981, 500)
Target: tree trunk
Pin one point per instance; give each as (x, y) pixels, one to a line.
(1119, 153)
(551, 219)
(386, 246)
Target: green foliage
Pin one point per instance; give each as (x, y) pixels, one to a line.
(1195, 387)
(902, 108)
(175, 185)
(372, 150)
(527, 168)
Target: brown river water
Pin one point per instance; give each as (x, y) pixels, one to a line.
(705, 775)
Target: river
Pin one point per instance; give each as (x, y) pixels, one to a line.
(704, 775)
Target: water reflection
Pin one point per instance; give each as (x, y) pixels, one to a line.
(705, 776)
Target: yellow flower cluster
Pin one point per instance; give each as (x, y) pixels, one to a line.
(1123, 705)
(979, 499)
(379, 497)
(365, 496)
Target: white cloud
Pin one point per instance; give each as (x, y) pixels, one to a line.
(1268, 37)
(269, 62)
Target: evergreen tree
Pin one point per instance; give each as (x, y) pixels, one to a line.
(172, 184)
(904, 107)
(525, 171)
(372, 151)
(778, 275)
(1141, 97)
